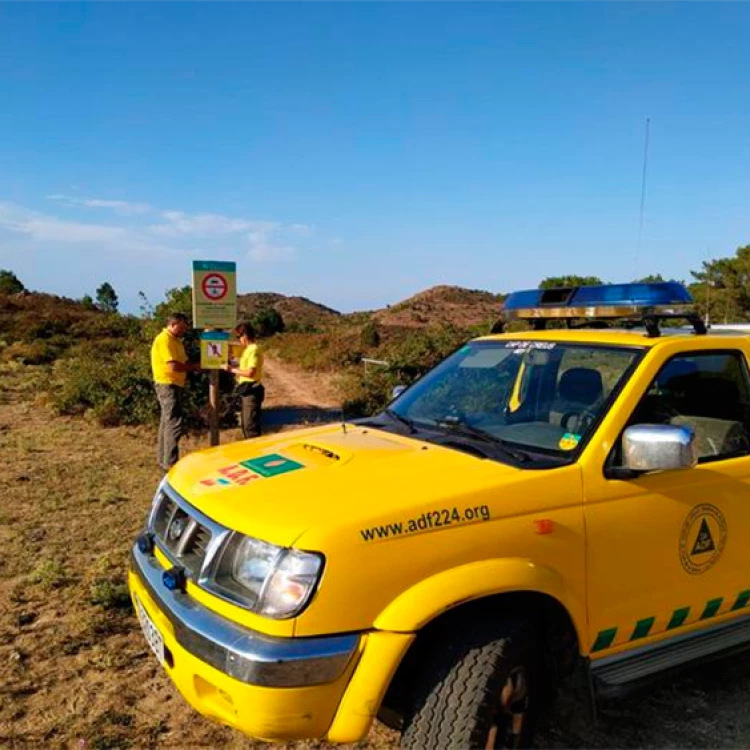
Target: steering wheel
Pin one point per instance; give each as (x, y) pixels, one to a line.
(585, 418)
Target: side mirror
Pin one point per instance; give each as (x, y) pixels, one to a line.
(658, 447)
(397, 391)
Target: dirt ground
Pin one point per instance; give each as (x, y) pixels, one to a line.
(286, 387)
(74, 669)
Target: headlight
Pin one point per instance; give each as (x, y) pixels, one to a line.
(270, 580)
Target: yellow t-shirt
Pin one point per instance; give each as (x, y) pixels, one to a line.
(167, 348)
(251, 358)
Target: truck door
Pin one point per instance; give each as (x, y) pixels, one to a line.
(669, 552)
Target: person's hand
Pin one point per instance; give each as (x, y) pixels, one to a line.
(226, 368)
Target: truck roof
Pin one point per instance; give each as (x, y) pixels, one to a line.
(636, 337)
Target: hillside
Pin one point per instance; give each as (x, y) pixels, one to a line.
(296, 311)
(34, 315)
(442, 304)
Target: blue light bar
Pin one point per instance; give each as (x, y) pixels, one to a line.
(636, 297)
(647, 302)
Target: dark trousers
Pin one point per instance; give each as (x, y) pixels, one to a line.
(171, 425)
(252, 399)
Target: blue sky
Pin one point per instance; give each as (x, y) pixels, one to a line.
(357, 153)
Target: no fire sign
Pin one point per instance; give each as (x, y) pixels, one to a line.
(214, 294)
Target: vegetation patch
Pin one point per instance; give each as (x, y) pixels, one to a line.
(50, 574)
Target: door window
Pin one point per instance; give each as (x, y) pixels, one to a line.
(707, 392)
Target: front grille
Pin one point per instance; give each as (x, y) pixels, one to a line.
(201, 540)
(180, 534)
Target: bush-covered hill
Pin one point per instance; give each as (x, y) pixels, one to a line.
(451, 305)
(298, 313)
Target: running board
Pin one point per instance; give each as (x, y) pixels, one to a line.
(615, 674)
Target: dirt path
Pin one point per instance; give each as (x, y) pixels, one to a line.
(292, 387)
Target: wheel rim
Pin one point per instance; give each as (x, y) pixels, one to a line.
(509, 719)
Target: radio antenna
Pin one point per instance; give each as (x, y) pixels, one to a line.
(643, 196)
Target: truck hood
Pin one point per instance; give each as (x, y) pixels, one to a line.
(278, 487)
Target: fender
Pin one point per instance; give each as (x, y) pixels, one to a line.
(416, 606)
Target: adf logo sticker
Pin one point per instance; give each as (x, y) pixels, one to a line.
(703, 537)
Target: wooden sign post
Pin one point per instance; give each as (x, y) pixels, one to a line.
(213, 406)
(214, 307)
(214, 354)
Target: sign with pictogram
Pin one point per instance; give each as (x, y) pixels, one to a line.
(214, 294)
(214, 286)
(214, 349)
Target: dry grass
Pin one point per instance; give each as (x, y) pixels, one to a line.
(74, 670)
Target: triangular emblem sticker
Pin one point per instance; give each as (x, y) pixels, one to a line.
(704, 542)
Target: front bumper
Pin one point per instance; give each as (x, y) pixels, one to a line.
(270, 688)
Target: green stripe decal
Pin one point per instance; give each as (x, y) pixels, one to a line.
(678, 618)
(642, 628)
(712, 607)
(604, 639)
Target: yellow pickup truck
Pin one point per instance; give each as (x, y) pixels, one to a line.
(564, 500)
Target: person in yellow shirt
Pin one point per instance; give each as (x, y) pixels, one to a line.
(169, 365)
(249, 375)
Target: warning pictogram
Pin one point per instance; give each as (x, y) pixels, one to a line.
(214, 286)
(214, 349)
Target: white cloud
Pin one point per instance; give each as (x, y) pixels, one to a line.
(43, 228)
(177, 231)
(182, 224)
(122, 207)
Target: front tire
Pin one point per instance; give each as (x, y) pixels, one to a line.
(477, 689)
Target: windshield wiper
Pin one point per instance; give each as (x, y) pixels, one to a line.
(394, 415)
(463, 428)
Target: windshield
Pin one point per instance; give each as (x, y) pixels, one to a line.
(537, 396)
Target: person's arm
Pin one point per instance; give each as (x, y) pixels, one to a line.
(175, 366)
(242, 373)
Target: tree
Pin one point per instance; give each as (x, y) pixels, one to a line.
(10, 283)
(555, 281)
(176, 300)
(722, 287)
(88, 302)
(106, 298)
(147, 309)
(652, 278)
(267, 322)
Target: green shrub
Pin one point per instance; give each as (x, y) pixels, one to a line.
(319, 351)
(268, 322)
(370, 336)
(367, 395)
(116, 385)
(50, 574)
(112, 380)
(107, 326)
(10, 283)
(31, 352)
(410, 355)
(45, 329)
(109, 593)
